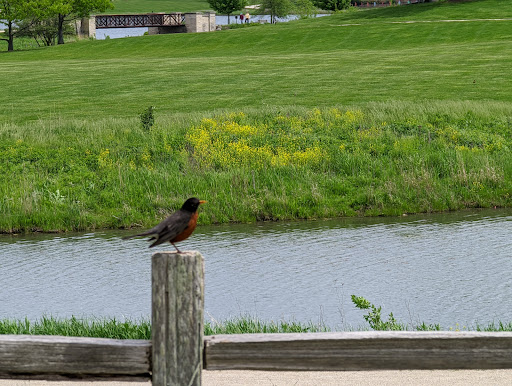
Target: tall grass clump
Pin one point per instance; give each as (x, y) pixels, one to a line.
(97, 328)
(130, 329)
(254, 165)
(252, 325)
(495, 326)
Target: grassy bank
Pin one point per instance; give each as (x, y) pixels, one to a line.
(142, 329)
(351, 114)
(253, 166)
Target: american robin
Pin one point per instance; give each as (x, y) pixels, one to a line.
(177, 227)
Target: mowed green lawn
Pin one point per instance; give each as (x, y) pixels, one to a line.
(351, 58)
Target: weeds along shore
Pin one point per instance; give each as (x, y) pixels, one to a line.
(141, 329)
(260, 164)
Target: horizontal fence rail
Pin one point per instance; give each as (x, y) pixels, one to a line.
(57, 357)
(146, 20)
(60, 357)
(366, 350)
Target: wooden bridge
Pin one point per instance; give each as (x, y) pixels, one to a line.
(145, 20)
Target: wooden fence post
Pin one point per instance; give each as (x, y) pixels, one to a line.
(177, 318)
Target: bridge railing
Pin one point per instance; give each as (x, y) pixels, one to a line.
(145, 20)
(178, 352)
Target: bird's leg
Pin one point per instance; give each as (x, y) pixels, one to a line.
(175, 247)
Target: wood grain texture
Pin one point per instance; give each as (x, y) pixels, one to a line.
(177, 318)
(372, 350)
(48, 357)
(159, 318)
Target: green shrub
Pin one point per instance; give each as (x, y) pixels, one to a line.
(147, 118)
(374, 315)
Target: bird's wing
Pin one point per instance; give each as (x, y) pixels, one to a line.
(153, 231)
(171, 227)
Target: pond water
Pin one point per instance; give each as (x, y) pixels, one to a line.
(444, 268)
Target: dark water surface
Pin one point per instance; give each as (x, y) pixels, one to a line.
(444, 268)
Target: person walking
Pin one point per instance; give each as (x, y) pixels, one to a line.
(247, 17)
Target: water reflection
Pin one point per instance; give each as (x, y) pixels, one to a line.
(445, 268)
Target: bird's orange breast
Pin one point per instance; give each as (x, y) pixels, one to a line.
(188, 231)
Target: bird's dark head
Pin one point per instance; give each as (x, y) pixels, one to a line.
(192, 204)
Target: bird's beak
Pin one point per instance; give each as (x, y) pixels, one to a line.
(202, 201)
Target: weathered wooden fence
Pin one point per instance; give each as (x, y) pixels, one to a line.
(178, 352)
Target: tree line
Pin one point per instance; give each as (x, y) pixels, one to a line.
(280, 8)
(46, 20)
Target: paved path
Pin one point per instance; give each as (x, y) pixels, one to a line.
(420, 21)
(446, 21)
(356, 378)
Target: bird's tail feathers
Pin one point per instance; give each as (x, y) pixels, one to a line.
(157, 242)
(138, 235)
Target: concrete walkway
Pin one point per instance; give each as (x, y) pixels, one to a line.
(307, 378)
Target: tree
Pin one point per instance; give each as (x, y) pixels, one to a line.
(45, 31)
(69, 10)
(332, 5)
(227, 6)
(305, 8)
(276, 8)
(18, 15)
